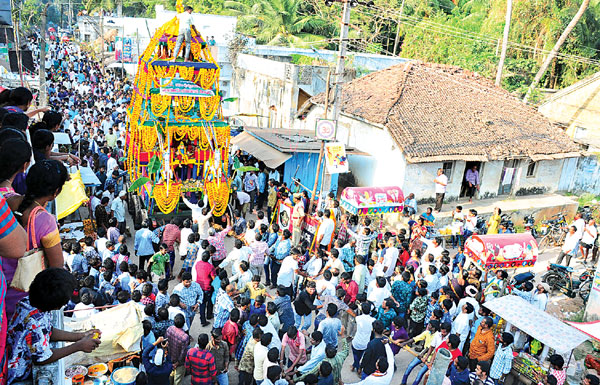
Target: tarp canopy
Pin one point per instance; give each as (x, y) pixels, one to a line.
(271, 157)
(592, 329)
(536, 323)
(62, 138)
(372, 200)
(502, 251)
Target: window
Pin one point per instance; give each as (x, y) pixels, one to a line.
(86, 37)
(531, 168)
(447, 167)
(580, 132)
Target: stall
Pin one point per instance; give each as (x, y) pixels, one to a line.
(523, 319)
(502, 251)
(372, 200)
(72, 196)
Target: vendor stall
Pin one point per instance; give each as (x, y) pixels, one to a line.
(502, 251)
(527, 320)
(372, 200)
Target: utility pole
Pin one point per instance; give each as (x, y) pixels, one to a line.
(339, 72)
(42, 73)
(504, 41)
(16, 32)
(396, 41)
(102, 39)
(322, 150)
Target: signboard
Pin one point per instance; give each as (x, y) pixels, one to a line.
(335, 158)
(123, 49)
(309, 232)
(284, 216)
(326, 129)
(372, 200)
(182, 87)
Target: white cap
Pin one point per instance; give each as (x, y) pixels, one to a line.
(122, 193)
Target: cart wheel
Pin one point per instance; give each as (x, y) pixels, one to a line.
(584, 290)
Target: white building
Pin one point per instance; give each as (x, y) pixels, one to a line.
(414, 118)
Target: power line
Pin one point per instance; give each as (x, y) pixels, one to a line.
(456, 32)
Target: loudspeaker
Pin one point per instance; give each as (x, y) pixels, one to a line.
(26, 61)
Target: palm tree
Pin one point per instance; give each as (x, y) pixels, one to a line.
(556, 48)
(278, 22)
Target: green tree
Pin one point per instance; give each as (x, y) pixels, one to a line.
(278, 22)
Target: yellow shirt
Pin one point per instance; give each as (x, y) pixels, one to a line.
(260, 290)
(427, 336)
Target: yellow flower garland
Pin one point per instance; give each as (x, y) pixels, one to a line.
(167, 202)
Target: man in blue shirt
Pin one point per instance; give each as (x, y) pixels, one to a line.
(143, 243)
(157, 366)
(279, 251)
(331, 326)
(458, 374)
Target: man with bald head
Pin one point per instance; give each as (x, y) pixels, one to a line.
(223, 304)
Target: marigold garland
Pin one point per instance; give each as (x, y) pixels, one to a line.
(167, 202)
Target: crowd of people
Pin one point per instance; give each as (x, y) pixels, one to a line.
(281, 310)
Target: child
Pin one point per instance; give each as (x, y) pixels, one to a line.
(123, 297)
(109, 252)
(136, 297)
(261, 218)
(175, 308)
(162, 298)
(259, 306)
(162, 324)
(95, 270)
(231, 331)
(149, 313)
(106, 288)
(85, 308)
(148, 296)
(250, 233)
(157, 262)
(148, 338)
(124, 277)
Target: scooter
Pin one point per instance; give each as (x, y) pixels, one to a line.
(561, 278)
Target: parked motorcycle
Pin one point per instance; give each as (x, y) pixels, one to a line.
(561, 278)
(553, 232)
(506, 220)
(529, 224)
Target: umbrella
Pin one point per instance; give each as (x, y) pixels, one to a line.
(51, 29)
(247, 168)
(65, 38)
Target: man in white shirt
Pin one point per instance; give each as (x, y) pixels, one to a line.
(186, 22)
(288, 269)
(244, 201)
(579, 224)
(569, 248)
(441, 181)
(434, 247)
(461, 324)
(200, 216)
(590, 233)
(380, 292)
(325, 230)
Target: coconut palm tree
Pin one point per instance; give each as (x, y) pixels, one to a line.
(278, 22)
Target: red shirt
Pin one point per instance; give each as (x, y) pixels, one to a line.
(455, 353)
(171, 234)
(404, 257)
(351, 291)
(205, 272)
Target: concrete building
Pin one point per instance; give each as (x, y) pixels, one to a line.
(414, 118)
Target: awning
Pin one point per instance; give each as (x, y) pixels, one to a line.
(271, 157)
(536, 323)
(71, 196)
(87, 175)
(592, 329)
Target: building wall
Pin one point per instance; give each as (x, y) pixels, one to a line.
(578, 107)
(303, 166)
(545, 179)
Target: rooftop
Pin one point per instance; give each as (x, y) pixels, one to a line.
(438, 112)
(290, 141)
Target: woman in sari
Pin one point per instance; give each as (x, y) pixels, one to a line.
(45, 180)
(418, 230)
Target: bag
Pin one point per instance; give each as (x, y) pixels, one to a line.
(33, 262)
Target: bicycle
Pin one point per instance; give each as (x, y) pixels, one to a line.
(553, 232)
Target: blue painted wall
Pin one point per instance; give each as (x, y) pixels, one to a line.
(306, 164)
(585, 177)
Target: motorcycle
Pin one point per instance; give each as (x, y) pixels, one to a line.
(506, 220)
(529, 224)
(553, 232)
(561, 278)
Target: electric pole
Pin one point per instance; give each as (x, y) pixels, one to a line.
(504, 41)
(396, 40)
(339, 72)
(102, 39)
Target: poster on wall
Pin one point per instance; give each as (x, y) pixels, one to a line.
(284, 216)
(335, 158)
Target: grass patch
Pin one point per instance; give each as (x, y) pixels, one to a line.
(587, 199)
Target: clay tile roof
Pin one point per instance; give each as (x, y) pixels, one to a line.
(438, 112)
